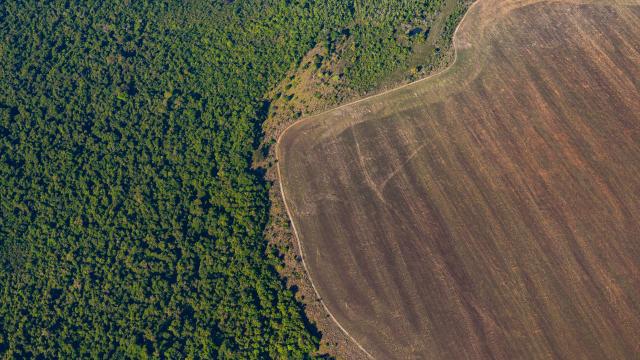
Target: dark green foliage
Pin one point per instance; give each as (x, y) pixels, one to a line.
(131, 221)
(130, 218)
(378, 47)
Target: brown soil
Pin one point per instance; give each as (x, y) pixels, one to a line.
(491, 211)
(311, 90)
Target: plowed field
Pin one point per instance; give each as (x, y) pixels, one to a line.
(490, 211)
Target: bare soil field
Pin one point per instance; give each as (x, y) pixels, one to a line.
(490, 211)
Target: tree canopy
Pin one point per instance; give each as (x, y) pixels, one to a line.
(130, 217)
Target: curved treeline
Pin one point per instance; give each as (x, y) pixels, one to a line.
(130, 219)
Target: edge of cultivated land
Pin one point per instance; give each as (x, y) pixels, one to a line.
(284, 198)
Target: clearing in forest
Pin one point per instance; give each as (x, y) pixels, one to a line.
(490, 211)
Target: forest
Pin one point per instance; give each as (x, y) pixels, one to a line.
(131, 217)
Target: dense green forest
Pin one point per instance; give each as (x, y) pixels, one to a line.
(130, 216)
